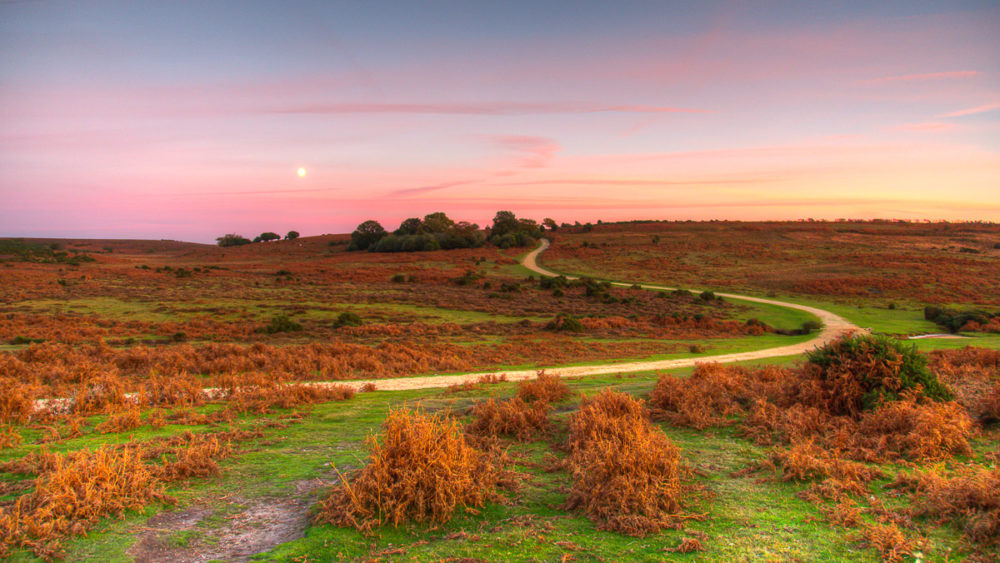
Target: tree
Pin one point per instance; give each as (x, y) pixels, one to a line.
(268, 236)
(550, 224)
(437, 223)
(367, 234)
(503, 222)
(292, 235)
(411, 226)
(231, 239)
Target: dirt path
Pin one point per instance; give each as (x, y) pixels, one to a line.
(833, 327)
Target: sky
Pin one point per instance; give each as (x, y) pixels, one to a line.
(187, 120)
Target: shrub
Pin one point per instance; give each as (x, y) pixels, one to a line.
(889, 541)
(421, 470)
(231, 239)
(598, 416)
(924, 432)
(970, 498)
(75, 494)
(707, 398)
(9, 437)
(281, 323)
(810, 326)
(565, 323)
(292, 235)
(626, 473)
(17, 401)
(514, 417)
(128, 419)
(860, 371)
(546, 388)
(707, 296)
(348, 318)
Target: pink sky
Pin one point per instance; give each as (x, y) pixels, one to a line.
(186, 122)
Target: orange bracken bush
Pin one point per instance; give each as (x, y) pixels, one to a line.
(513, 417)
(626, 473)
(76, 493)
(889, 541)
(545, 387)
(420, 469)
(9, 437)
(121, 421)
(970, 498)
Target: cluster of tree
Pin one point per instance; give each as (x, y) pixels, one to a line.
(233, 239)
(437, 231)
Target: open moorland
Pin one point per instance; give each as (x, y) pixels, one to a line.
(160, 399)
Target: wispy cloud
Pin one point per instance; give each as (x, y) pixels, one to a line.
(486, 108)
(971, 111)
(427, 189)
(640, 182)
(533, 152)
(925, 76)
(924, 127)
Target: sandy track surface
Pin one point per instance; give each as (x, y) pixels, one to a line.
(833, 327)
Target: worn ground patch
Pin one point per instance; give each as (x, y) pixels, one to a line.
(234, 531)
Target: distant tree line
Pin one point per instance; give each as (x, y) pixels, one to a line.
(437, 231)
(233, 239)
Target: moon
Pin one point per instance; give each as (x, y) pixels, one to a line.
(301, 172)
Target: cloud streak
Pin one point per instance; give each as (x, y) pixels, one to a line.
(481, 108)
(925, 76)
(972, 111)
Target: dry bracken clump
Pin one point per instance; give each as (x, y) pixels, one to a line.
(546, 388)
(420, 469)
(707, 398)
(9, 437)
(626, 473)
(75, 493)
(605, 413)
(514, 417)
(915, 430)
(889, 541)
(970, 498)
(123, 421)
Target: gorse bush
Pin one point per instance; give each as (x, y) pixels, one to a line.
(860, 371)
(348, 318)
(282, 323)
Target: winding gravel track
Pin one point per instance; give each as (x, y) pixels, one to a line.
(833, 327)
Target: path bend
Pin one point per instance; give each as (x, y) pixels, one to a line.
(834, 326)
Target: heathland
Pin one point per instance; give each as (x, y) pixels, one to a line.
(871, 446)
